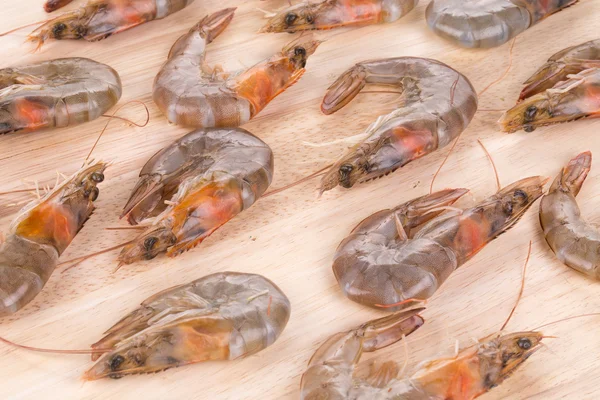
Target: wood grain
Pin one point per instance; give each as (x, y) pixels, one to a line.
(290, 237)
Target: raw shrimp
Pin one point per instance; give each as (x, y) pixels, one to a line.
(206, 177)
(190, 93)
(470, 373)
(223, 316)
(438, 104)
(53, 5)
(40, 234)
(384, 264)
(574, 241)
(56, 93)
(575, 98)
(330, 370)
(330, 14)
(488, 23)
(566, 62)
(99, 19)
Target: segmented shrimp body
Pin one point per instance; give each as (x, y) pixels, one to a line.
(40, 234)
(569, 61)
(206, 178)
(439, 103)
(488, 23)
(190, 93)
(575, 241)
(56, 93)
(472, 372)
(383, 262)
(99, 19)
(331, 14)
(223, 316)
(569, 100)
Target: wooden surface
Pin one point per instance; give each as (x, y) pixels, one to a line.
(291, 237)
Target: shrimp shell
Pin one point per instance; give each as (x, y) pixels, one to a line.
(39, 235)
(223, 316)
(575, 241)
(56, 93)
(488, 23)
(438, 105)
(208, 176)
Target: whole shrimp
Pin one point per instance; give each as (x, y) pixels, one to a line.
(190, 93)
(206, 178)
(488, 23)
(99, 19)
(383, 263)
(56, 93)
(439, 103)
(574, 241)
(470, 373)
(566, 62)
(569, 100)
(331, 14)
(39, 235)
(223, 316)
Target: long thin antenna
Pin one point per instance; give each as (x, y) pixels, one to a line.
(567, 319)
(489, 156)
(442, 164)
(298, 182)
(56, 351)
(25, 26)
(79, 260)
(505, 72)
(520, 291)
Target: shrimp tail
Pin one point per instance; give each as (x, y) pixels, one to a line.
(213, 25)
(344, 89)
(573, 175)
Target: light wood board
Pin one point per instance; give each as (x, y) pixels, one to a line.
(291, 237)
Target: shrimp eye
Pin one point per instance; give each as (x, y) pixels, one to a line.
(97, 177)
(530, 113)
(520, 195)
(300, 51)
(290, 18)
(116, 362)
(524, 343)
(58, 29)
(150, 242)
(309, 19)
(94, 193)
(346, 169)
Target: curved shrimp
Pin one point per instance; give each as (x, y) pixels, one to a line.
(99, 19)
(384, 264)
(575, 98)
(331, 14)
(488, 23)
(190, 93)
(223, 316)
(569, 61)
(574, 241)
(472, 372)
(53, 5)
(40, 234)
(439, 103)
(206, 178)
(330, 370)
(56, 93)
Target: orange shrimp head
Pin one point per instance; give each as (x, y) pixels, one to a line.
(513, 350)
(301, 17)
(148, 245)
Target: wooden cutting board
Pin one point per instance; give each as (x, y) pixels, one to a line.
(291, 237)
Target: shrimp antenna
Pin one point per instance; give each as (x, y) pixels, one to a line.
(442, 164)
(78, 260)
(56, 351)
(111, 118)
(25, 26)
(299, 181)
(510, 58)
(520, 291)
(568, 319)
(489, 156)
